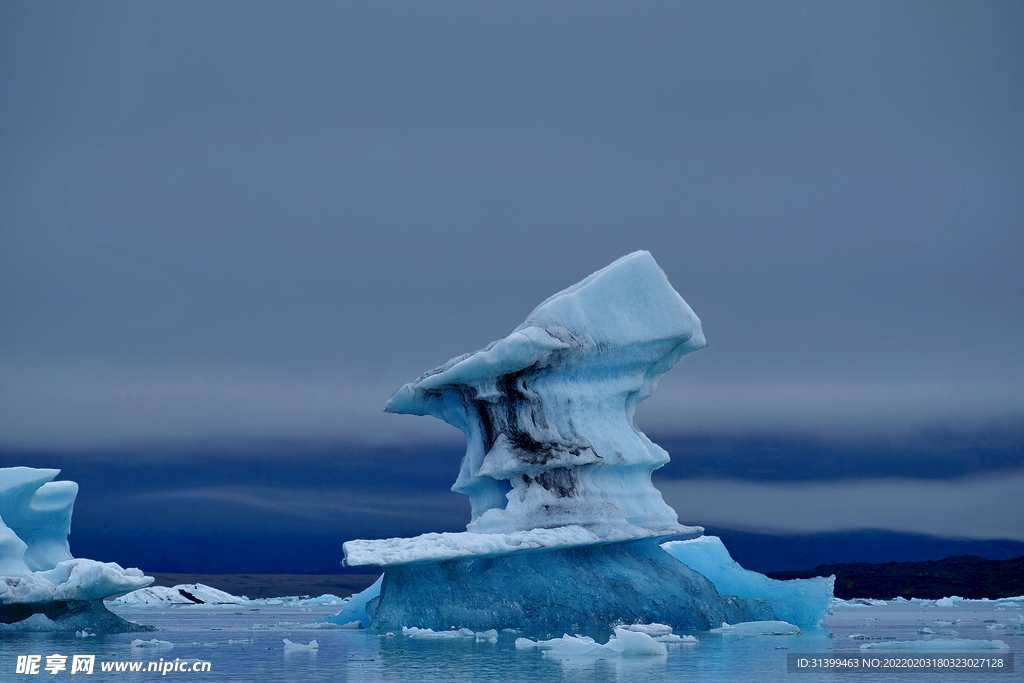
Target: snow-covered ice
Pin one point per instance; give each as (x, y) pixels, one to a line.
(71, 580)
(184, 594)
(438, 547)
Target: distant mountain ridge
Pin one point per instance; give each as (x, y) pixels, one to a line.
(964, 575)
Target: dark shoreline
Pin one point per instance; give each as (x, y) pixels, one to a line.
(965, 575)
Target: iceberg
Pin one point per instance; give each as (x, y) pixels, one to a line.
(42, 586)
(182, 594)
(759, 628)
(311, 646)
(624, 642)
(153, 643)
(565, 522)
(589, 588)
(548, 411)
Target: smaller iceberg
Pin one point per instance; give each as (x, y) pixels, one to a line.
(488, 636)
(42, 587)
(625, 642)
(759, 628)
(183, 594)
(153, 644)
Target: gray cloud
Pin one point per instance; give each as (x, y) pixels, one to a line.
(216, 227)
(967, 508)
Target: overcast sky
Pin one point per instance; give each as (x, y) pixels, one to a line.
(248, 219)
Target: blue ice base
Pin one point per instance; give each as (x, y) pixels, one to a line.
(566, 590)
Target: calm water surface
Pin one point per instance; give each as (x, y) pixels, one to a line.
(245, 644)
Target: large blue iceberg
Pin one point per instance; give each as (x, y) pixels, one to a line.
(566, 523)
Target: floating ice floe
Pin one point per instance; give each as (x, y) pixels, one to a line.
(649, 629)
(857, 602)
(759, 628)
(490, 635)
(660, 632)
(293, 600)
(624, 642)
(153, 643)
(528, 644)
(671, 638)
(938, 645)
(327, 625)
(415, 632)
(839, 603)
(289, 646)
(325, 599)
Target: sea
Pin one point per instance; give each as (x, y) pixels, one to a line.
(207, 643)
